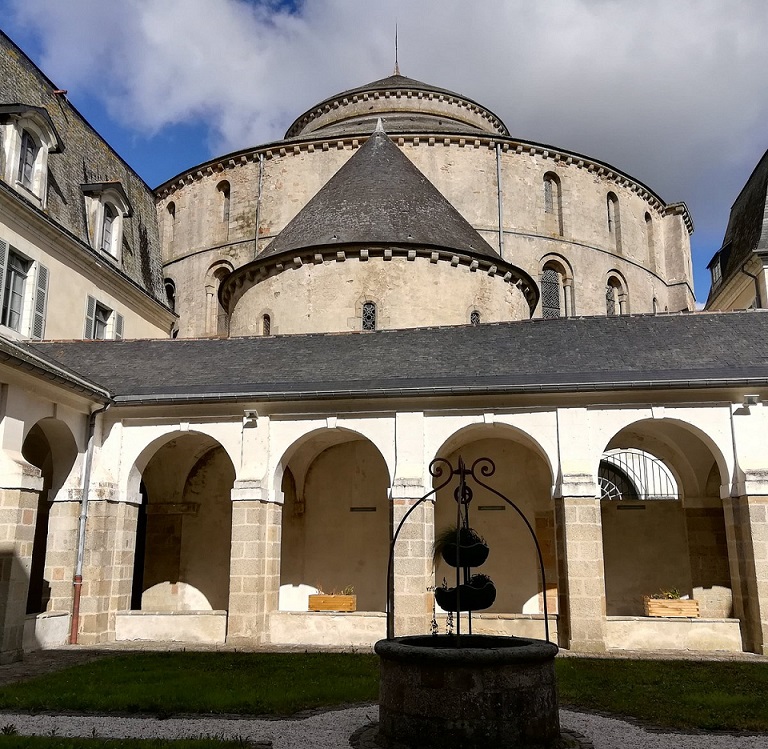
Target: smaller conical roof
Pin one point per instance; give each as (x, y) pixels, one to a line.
(380, 197)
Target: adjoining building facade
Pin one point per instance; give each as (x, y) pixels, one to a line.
(274, 345)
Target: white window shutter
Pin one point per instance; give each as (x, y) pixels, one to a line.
(118, 326)
(41, 302)
(90, 311)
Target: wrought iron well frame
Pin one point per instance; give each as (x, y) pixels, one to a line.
(486, 468)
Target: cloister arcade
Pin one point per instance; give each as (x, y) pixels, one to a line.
(202, 530)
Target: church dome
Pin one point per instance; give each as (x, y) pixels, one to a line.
(403, 104)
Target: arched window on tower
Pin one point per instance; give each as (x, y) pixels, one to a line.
(369, 316)
(556, 291)
(170, 294)
(651, 242)
(616, 298)
(170, 220)
(224, 189)
(553, 203)
(614, 219)
(474, 317)
(266, 325)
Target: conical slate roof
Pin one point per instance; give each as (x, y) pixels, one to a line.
(379, 197)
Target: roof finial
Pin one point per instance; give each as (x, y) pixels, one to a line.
(397, 65)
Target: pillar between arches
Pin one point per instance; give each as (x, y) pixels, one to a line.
(746, 526)
(413, 570)
(254, 563)
(581, 566)
(19, 492)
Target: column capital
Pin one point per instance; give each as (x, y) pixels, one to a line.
(252, 490)
(577, 486)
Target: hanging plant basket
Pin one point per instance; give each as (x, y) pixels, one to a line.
(471, 551)
(477, 594)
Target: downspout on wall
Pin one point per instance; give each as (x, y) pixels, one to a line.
(77, 581)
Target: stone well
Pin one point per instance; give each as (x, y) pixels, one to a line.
(489, 692)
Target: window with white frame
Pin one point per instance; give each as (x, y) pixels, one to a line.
(27, 135)
(101, 322)
(106, 207)
(23, 292)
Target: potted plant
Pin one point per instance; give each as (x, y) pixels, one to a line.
(471, 550)
(670, 603)
(346, 600)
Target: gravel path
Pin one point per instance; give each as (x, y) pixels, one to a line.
(332, 729)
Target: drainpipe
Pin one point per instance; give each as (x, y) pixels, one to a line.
(77, 581)
(501, 200)
(258, 206)
(758, 298)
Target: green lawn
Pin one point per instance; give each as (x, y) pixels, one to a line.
(680, 694)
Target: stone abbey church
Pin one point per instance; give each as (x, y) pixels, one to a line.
(223, 394)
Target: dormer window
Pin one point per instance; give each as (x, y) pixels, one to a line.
(27, 159)
(106, 206)
(28, 135)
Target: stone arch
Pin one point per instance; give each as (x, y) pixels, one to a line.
(669, 543)
(336, 515)
(553, 202)
(216, 316)
(556, 276)
(616, 294)
(524, 474)
(183, 525)
(50, 446)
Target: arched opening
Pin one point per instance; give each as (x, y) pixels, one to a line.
(336, 521)
(216, 317)
(170, 293)
(662, 519)
(369, 316)
(49, 446)
(614, 220)
(553, 203)
(650, 240)
(170, 222)
(184, 527)
(616, 296)
(223, 189)
(556, 290)
(523, 474)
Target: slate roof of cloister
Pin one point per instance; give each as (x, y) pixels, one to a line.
(565, 355)
(379, 197)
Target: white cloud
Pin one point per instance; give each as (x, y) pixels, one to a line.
(671, 92)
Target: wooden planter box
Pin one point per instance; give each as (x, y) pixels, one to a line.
(671, 607)
(322, 602)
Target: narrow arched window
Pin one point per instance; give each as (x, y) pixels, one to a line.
(223, 188)
(266, 325)
(651, 242)
(474, 317)
(108, 229)
(553, 203)
(551, 283)
(369, 316)
(27, 158)
(171, 209)
(170, 294)
(614, 219)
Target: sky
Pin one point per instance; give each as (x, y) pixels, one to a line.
(671, 92)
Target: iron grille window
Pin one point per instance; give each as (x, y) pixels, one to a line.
(610, 299)
(266, 325)
(369, 316)
(550, 294)
(474, 317)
